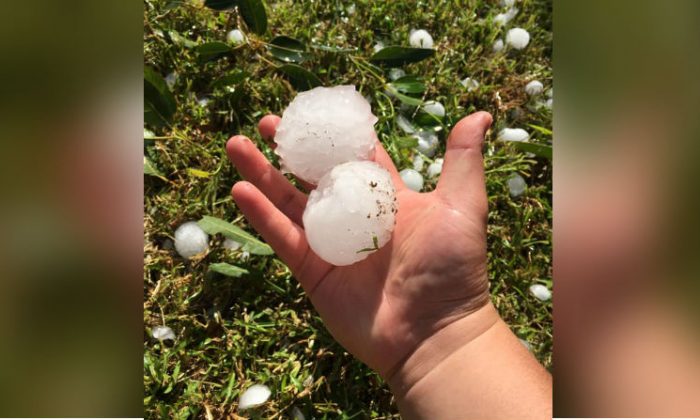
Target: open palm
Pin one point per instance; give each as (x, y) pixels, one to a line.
(431, 273)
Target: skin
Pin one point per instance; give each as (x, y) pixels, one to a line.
(418, 310)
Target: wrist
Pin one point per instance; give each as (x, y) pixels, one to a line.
(438, 348)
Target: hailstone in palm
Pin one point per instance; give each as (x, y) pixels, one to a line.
(322, 128)
(534, 88)
(351, 213)
(412, 178)
(190, 240)
(518, 38)
(420, 38)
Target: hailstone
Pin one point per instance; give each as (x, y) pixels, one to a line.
(405, 125)
(190, 240)
(418, 162)
(322, 128)
(470, 83)
(518, 38)
(396, 73)
(534, 88)
(435, 168)
(516, 185)
(540, 292)
(231, 245)
(351, 213)
(412, 178)
(254, 396)
(498, 45)
(434, 108)
(420, 38)
(503, 18)
(427, 142)
(162, 333)
(235, 37)
(513, 134)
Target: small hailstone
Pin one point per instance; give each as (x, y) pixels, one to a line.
(412, 179)
(235, 37)
(427, 142)
(435, 168)
(498, 45)
(518, 38)
(297, 414)
(162, 333)
(405, 125)
(171, 79)
(420, 38)
(351, 213)
(534, 88)
(470, 84)
(231, 245)
(322, 128)
(203, 101)
(516, 185)
(503, 18)
(513, 134)
(549, 103)
(378, 46)
(396, 73)
(434, 108)
(254, 396)
(418, 162)
(540, 292)
(190, 240)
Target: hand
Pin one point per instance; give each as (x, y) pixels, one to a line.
(430, 275)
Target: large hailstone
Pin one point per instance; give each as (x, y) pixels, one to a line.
(254, 396)
(412, 178)
(351, 213)
(518, 38)
(513, 134)
(190, 240)
(322, 128)
(420, 38)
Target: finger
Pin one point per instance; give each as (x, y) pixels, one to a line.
(382, 157)
(254, 167)
(283, 235)
(268, 128)
(462, 182)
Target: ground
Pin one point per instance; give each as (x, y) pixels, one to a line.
(233, 332)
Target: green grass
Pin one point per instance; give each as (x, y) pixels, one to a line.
(260, 328)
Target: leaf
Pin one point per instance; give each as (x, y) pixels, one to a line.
(176, 38)
(408, 100)
(253, 13)
(288, 49)
(159, 103)
(212, 50)
(409, 84)
(233, 78)
(220, 4)
(198, 173)
(150, 169)
(540, 150)
(228, 269)
(398, 56)
(545, 131)
(300, 78)
(406, 142)
(214, 225)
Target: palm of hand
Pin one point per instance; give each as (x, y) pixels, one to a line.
(431, 273)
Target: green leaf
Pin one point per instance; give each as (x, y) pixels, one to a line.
(228, 269)
(398, 56)
(288, 49)
(212, 50)
(231, 79)
(408, 100)
(300, 78)
(220, 4)
(198, 173)
(214, 225)
(409, 84)
(150, 169)
(545, 131)
(406, 142)
(159, 103)
(253, 13)
(540, 150)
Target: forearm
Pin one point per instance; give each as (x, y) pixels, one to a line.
(474, 368)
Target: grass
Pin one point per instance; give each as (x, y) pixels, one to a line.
(260, 328)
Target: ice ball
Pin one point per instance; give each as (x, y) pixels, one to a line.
(420, 38)
(434, 108)
(516, 185)
(518, 38)
(541, 292)
(513, 134)
(534, 88)
(235, 37)
(322, 128)
(412, 178)
(254, 396)
(498, 45)
(190, 240)
(163, 333)
(351, 213)
(435, 168)
(427, 142)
